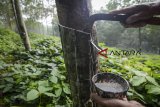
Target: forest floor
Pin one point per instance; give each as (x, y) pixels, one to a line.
(38, 78)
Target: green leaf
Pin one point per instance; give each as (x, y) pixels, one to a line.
(7, 88)
(55, 72)
(49, 94)
(15, 106)
(2, 86)
(129, 94)
(53, 79)
(141, 97)
(135, 71)
(151, 80)
(9, 79)
(62, 77)
(49, 105)
(32, 95)
(58, 92)
(37, 73)
(43, 83)
(137, 80)
(66, 89)
(152, 89)
(43, 89)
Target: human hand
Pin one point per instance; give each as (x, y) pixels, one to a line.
(114, 102)
(140, 15)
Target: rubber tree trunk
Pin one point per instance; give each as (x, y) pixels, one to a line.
(20, 24)
(79, 55)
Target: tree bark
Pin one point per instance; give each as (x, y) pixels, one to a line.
(79, 55)
(20, 24)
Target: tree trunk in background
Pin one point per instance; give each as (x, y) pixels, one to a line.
(20, 24)
(79, 55)
(140, 38)
(8, 20)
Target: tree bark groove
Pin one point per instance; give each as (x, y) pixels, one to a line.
(79, 64)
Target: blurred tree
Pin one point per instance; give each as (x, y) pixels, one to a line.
(20, 24)
(6, 13)
(38, 11)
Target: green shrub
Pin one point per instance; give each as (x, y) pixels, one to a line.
(36, 78)
(9, 40)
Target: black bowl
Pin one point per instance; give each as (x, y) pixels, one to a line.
(109, 85)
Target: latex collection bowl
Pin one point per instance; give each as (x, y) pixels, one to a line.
(109, 85)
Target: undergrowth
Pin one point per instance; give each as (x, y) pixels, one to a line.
(38, 78)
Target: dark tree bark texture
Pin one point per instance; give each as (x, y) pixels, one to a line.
(79, 55)
(73, 13)
(79, 64)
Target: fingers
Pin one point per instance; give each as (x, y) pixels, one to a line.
(134, 25)
(139, 14)
(137, 104)
(125, 99)
(131, 10)
(114, 102)
(97, 98)
(154, 21)
(151, 21)
(109, 102)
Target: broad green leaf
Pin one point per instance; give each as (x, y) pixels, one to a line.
(9, 79)
(43, 89)
(137, 80)
(135, 71)
(32, 95)
(55, 72)
(58, 92)
(152, 89)
(151, 80)
(49, 94)
(20, 96)
(66, 89)
(51, 65)
(33, 69)
(62, 77)
(37, 73)
(53, 79)
(7, 88)
(57, 86)
(43, 83)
